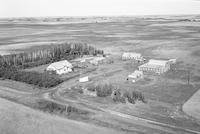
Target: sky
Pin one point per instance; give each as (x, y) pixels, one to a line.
(43, 8)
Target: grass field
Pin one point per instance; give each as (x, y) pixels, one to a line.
(191, 106)
(155, 37)
(18, 119)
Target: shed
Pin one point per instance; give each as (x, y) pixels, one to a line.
(131, 55)
(84, 79)
(97, 60)
(172, 61)
(136, 75)
(61, 67)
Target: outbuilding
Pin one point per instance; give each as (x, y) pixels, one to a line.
(97, 60)
(155, 66)
(136, 75)
(61, 67)
(84, 79)
(131, 55)
(172, 61)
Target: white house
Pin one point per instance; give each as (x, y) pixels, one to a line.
(130, 55)
(61, 67)
(155, 66)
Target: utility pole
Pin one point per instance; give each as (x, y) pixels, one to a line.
(188, 73)
(188, 76)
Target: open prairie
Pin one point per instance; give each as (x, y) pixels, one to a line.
(155, 37)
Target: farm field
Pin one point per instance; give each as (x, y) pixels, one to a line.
(155, 37)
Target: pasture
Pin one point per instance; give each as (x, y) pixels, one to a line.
(153, 37)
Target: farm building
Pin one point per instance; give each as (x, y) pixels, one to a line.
(84, 79)
(136, 75)
(97, 60)
(155, 66)
(172, 61)
(84, 59)
(61, 67)
(129, 56)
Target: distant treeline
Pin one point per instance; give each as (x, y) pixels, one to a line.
(54, 53)
(11, 65)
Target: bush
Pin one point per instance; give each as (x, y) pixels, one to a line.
(138, 96)
(134, 96)
(71, 109)
(129, 97)
(50, 107)
(117, 96)
(104, 90)
(91, 88)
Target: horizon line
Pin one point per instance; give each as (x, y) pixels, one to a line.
(93, 16)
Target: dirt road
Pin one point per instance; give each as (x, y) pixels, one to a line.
(55, 94)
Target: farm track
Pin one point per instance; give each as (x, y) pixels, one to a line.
(54, 95)
(143, 121)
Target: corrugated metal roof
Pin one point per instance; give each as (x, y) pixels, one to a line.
(151, 65)
(158, 62)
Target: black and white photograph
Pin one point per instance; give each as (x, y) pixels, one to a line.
(99, 66)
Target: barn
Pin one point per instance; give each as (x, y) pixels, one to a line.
(130, 55)
(155, 66)
(61, 67)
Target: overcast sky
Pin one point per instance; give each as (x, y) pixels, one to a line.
(41, 8)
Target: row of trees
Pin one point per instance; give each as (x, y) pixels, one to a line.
(11, 65)
(54, 53)
(34, 78)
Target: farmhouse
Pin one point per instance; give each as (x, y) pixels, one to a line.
(130, 55)
(61, 67)
(155, 66)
